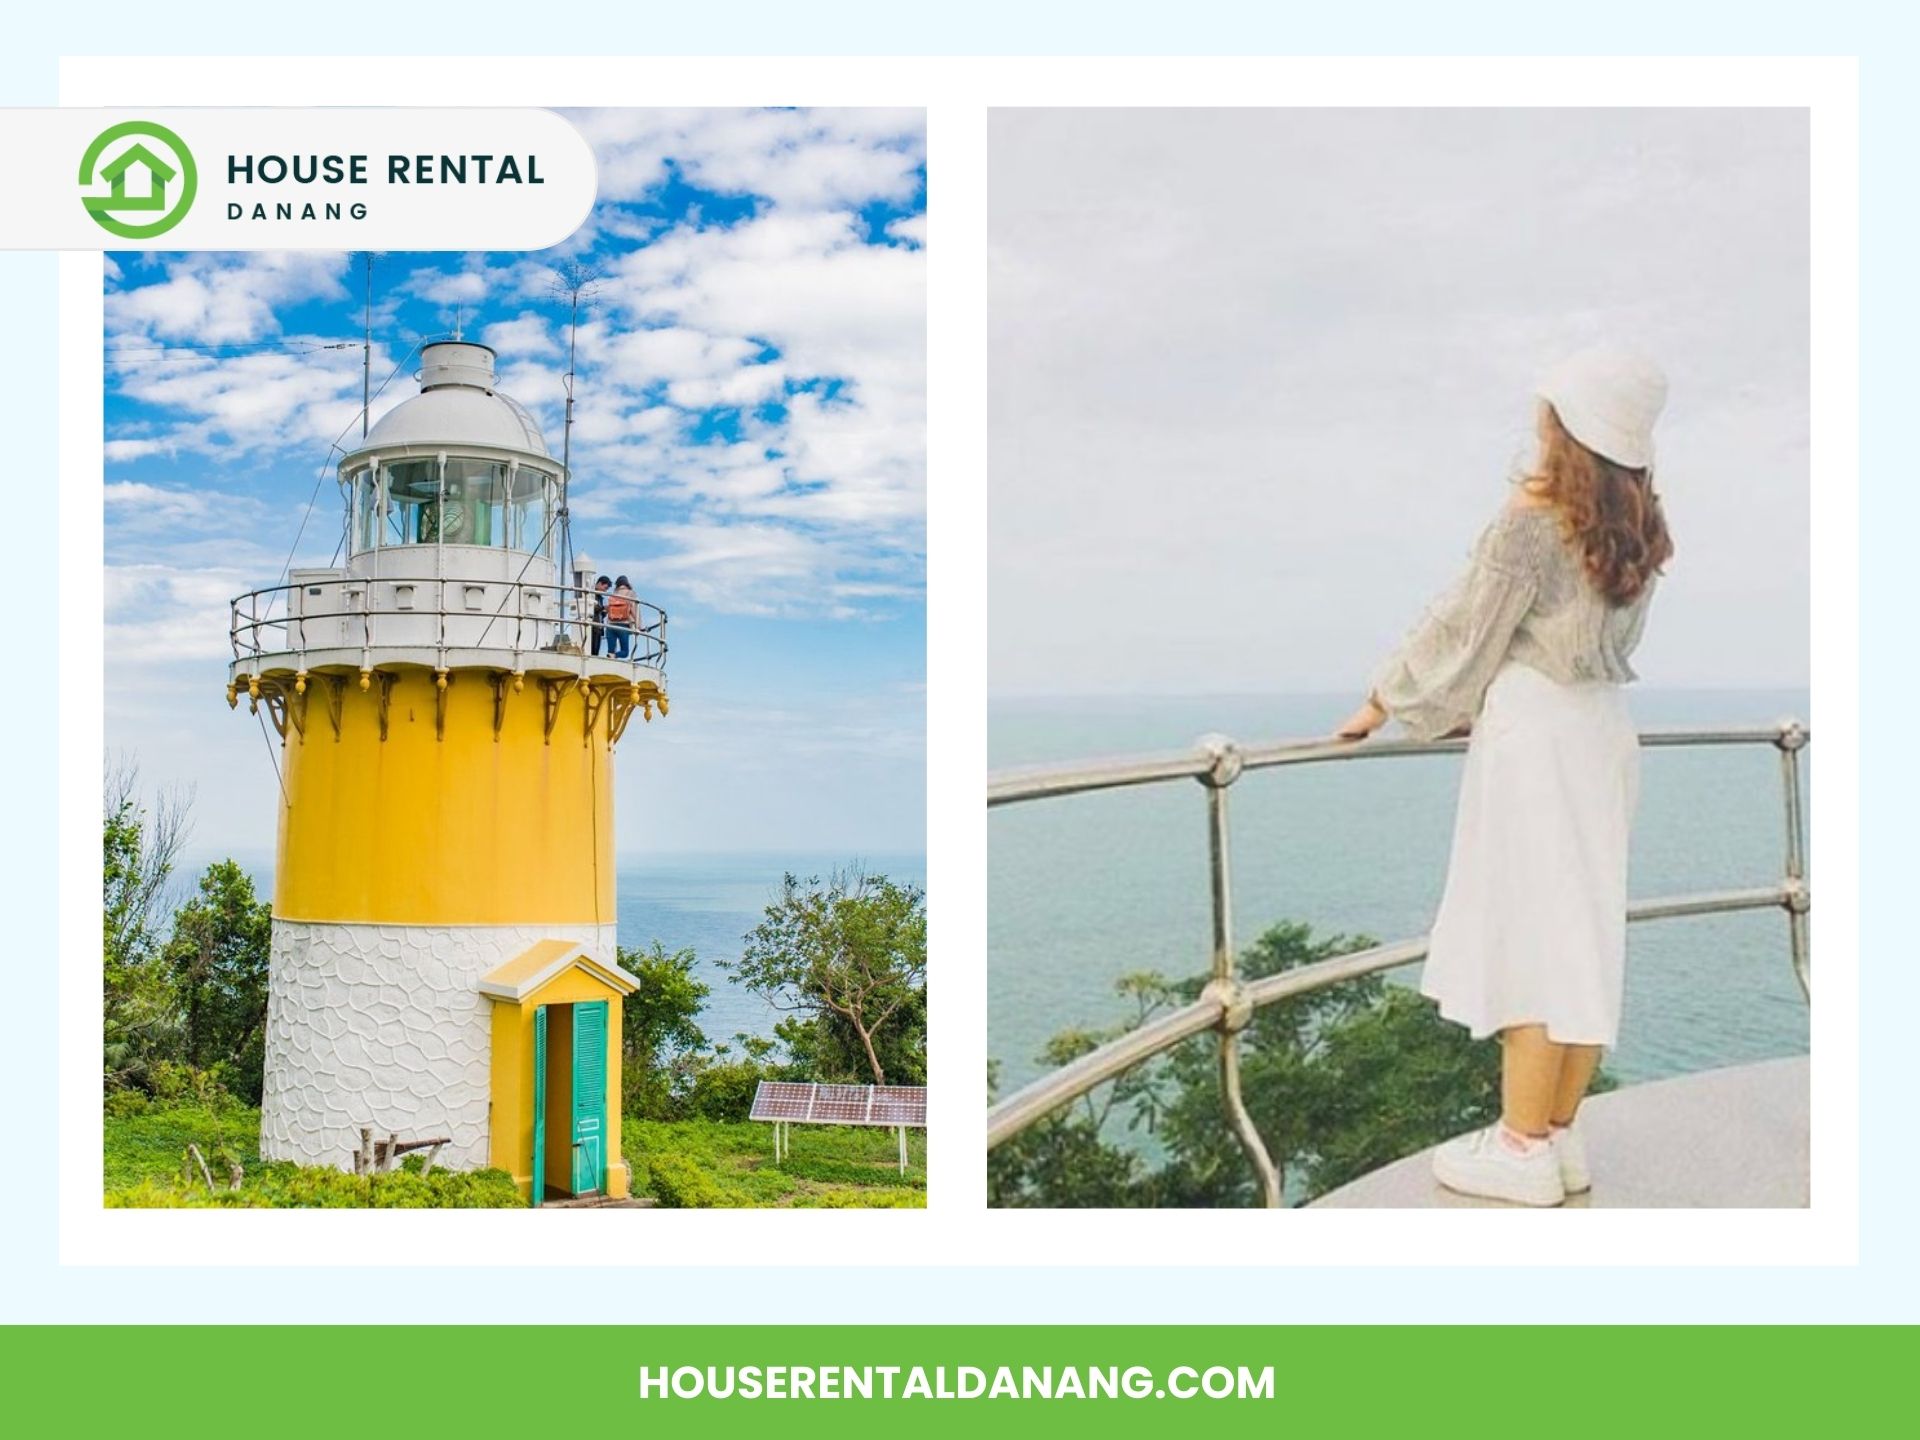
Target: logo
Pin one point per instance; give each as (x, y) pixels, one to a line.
(151, 181)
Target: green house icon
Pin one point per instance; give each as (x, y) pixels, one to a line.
(159, 175)
(143, 198)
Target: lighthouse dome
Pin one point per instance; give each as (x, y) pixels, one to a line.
(458, 407)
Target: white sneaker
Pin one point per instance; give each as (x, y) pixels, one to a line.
(1482, 1164)
(1572, 1152)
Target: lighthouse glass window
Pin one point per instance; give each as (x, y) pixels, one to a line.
(474, 512)
(530, 510)
(365, 489)
(413, 492)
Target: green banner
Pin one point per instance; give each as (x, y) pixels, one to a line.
(952, 1380)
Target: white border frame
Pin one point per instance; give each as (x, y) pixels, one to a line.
(957, 1230)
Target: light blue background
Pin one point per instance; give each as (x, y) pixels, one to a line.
(1880, 1288)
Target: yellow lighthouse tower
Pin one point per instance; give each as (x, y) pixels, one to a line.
(443, 956)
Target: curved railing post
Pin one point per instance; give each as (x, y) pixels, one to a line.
(1224, 987)
(1791, 740)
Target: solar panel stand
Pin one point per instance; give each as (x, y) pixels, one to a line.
(782, 1102)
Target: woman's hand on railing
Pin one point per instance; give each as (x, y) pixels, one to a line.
(1362, 722)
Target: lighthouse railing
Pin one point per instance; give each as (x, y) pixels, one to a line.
(1229, 1000)
(435, 613)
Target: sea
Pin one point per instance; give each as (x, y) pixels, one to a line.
(709, 902)
(1087, 889)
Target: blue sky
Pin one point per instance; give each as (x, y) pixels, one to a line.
(749, 446)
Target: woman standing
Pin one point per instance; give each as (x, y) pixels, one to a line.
(620, 616)
(1529, 651)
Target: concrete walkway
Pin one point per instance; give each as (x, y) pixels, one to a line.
(1733, 1138)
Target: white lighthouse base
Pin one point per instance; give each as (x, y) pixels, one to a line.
(384, 1026)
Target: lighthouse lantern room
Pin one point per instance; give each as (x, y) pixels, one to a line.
(443, 955)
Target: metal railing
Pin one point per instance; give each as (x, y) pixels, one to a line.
(1227, 1004)
(523, 617)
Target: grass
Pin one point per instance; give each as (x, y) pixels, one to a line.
(145, 1166)
(706, 1163)
(686, 1163)
(151, 1145)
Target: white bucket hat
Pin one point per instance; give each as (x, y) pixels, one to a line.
(1608, 399)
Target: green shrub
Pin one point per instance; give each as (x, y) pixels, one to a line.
(724, 1091)
(172, 1083)
(122, 1104)
(447, 1190)
(681, 1184)
(847, 1198)
(646, 1094)
(153, 1195)
(283, 1185)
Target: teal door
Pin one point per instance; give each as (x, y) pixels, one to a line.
(539, 1104)
(589, 1096)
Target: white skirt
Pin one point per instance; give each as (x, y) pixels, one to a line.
(1532, 929)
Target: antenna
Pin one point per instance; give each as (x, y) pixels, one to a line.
(366, 347)
(577, 281)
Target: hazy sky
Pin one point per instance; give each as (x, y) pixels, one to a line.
(749, 447)
(1259, 377)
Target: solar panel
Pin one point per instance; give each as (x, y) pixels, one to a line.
(841, 1104)
(781, 1100)
(809, 1103)
(900, 1105)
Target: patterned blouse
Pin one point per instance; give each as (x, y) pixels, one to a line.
(1525, 597)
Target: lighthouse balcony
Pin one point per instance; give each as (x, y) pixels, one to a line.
(335, 621)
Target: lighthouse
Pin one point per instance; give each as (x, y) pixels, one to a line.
(443, 956)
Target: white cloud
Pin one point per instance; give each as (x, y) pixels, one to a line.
(159, 614)
(757, 568)
(218, 299)
(115, 451)
(299, 399)
(797, 159)
(132, 499)
(525, 334)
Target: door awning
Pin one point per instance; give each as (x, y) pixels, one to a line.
(541, 964)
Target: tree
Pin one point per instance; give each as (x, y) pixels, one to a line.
(661, 1040)
(140, 847)
(828, 1046)
(1339, 1082)
(850, 953)
(1063, 1160)
(218, 958)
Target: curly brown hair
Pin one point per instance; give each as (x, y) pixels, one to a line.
(1609, 512)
